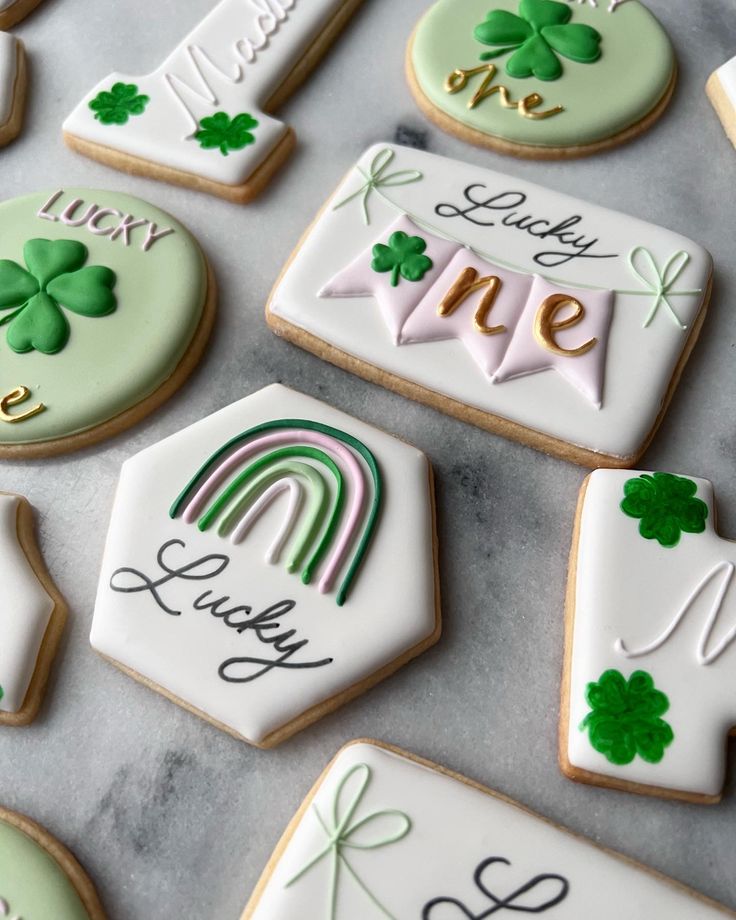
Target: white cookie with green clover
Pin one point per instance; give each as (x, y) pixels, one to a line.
(105, 308)
(650, 680)
(386, 834)
(518, 308)
(721, 90)
(202, 117)
(269, 563)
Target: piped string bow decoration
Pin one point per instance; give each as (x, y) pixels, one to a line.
(659, 283)
(343, 833)
(376, 178)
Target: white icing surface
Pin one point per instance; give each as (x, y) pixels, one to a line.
(640, 361)
(8, 74)
(631, 589)
(727, 79)
(454, 828)
(232, 62)
(26, 610)
(390, 608)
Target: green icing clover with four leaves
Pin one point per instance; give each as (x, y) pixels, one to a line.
(404, 256)
(540, 32)
(116, 106)
(666, 505)
(625, 718)
(53, 278)
(219, 130)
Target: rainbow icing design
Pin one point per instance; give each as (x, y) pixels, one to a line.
(278, 450)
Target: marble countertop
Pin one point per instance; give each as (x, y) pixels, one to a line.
(173, 818)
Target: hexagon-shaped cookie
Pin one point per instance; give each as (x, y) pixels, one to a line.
(269, 563)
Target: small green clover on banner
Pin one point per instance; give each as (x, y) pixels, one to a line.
(625, 718)
(666, 505)
(219, 130)
(542, 28)
(117, 105)
(403, 256)
(54, 279)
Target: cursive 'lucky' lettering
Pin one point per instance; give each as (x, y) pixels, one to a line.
(484, 210)
(264, 626)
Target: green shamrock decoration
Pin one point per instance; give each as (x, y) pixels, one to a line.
(625, 718)
(54, 278)
(219, 130)
(666, 505)
(116, 106)
(542, 28)
(403, 256)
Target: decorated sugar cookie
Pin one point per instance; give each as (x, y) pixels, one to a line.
(105, 307)
(34, 614)
(386, 834)
(12, 86)
(39, 877)
(648, 693)
(12, 11)
(721, 90)
(203, 117)
(541, 78)
(257, 568)
(522, 310)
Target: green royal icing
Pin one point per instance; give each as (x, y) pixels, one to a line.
(625, 718)
(631, 75)
(115, 106)
(403, 257)
(666, 507)
(55, 279)
(107, 364)
(32, 883)
(220, 131)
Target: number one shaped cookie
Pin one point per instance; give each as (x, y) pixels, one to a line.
(648, 692)
(201, 118)
(12, 86)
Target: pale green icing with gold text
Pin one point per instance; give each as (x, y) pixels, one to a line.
(111, 362)
(600, 99)
(32, 884)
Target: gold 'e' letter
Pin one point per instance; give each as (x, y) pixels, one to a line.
(466, 284)
(546, 325)
(18, 395)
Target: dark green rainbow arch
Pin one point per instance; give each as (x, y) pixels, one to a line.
(279, 424)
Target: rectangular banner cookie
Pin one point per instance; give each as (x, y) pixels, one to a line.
(386, 834)
(648, 691)
(522, 310)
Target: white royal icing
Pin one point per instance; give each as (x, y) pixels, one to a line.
(639, 361)
(727, 79)
(8, 74)
(428, 874)
(26, 608)
(232, 62)
(389, 609)
(668, 611)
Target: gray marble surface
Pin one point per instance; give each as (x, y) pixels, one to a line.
(173, 818)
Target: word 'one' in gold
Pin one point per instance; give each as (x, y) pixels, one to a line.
(466, 284)
(458, 80)
(546, 325)
(13, 398)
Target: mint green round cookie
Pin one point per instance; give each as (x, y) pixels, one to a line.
(104, 309)
(601, 75)
(33, 886)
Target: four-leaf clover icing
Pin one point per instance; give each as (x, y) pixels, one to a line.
(625, 718)
(404, 256)
(219, 130)
(666, 506)
(53, 278)
(540, 32)
(114, 107)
